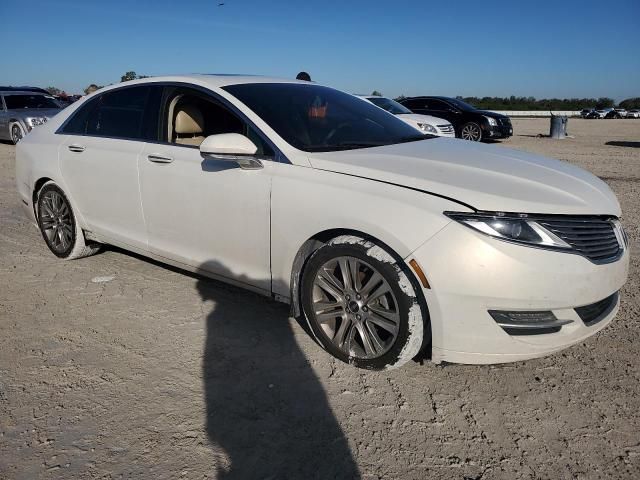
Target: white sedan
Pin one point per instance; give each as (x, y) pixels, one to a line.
(388, 241)
(424, 123)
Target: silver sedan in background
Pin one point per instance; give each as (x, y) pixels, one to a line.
(20, 111)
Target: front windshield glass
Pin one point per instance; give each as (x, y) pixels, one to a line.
(389, 105)
(461, 105)
(15, 102)
(320, 119)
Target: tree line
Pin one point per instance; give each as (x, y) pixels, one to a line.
(531, 103)
(484, 103)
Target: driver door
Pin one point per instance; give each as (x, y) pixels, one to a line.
(209, 214)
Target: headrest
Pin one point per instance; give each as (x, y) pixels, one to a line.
(189, 120)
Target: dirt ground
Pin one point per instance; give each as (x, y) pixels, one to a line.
(117, 367)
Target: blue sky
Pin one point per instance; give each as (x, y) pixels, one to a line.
(559, 48)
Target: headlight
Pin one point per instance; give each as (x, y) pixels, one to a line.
(492, 121)
(514, 228)
(33, 121)
(425, 127)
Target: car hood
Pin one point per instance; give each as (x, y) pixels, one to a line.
(491, 114)
(485, 177)
(35, 112)
(417, 118)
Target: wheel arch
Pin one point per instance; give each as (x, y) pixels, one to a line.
(37, 186)
(316, 241)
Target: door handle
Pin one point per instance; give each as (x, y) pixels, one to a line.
(76, 148)
(155, 158)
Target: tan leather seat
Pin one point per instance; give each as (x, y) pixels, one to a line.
(189, 126)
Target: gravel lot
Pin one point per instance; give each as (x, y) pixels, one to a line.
(117, 367)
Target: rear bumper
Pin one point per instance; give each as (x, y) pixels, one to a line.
(471, 274)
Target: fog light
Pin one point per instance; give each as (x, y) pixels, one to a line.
(528, 322)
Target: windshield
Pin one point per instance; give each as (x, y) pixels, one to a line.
(460, 104)
(389, 105)
(320, 119)
(15, 102)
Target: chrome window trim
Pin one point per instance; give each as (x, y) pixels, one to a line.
(279, 156)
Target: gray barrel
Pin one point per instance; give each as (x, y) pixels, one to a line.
(558, 126)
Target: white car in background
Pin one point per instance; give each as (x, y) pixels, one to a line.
(424, 123)
(386, 240)
(633, 113)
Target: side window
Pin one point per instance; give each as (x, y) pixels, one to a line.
(415, 103)
(189, 116)
(437, 105)
(130, 113)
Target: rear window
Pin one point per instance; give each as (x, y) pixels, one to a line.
(130, 113)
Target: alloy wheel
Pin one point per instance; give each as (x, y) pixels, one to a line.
(355, 307)
(472, 132)
(56, 221)
(16, 134)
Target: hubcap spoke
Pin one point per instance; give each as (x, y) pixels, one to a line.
(375, 338)
(382, 289)
(375, 280)
(369, 348)
(385, 312)
(379, 320)
(346, 273)
(340, 336)
(326, 281)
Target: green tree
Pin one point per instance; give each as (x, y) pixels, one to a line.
(91, 88)
(129, 76)
(630, 103)
(376, 93)
(54, 90)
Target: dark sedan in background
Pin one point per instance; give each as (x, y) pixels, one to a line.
(468, 122)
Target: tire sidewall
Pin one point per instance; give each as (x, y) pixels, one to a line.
(407, 304)
(48, 187)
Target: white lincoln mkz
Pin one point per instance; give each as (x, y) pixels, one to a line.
(387, 240)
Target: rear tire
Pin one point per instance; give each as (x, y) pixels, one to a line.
(361, 305)
(58, 225)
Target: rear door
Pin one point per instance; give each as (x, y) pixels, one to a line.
(99, 160)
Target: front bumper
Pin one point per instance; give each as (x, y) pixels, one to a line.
(497, 131)
(471, 273)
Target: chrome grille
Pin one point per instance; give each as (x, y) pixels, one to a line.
(593, 237)
(505, 121)
(448, 128)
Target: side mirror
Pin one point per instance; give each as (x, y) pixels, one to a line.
(231, 147)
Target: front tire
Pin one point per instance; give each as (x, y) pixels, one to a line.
(361, 306)
(471, 131)
(16, 133)
(58, 225)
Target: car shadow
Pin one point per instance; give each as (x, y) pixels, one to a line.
(619, 143)
(265, 407)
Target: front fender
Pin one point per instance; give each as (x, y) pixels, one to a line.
(306, 202)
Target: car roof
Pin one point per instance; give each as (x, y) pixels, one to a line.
(213, 80)
(22, 92)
